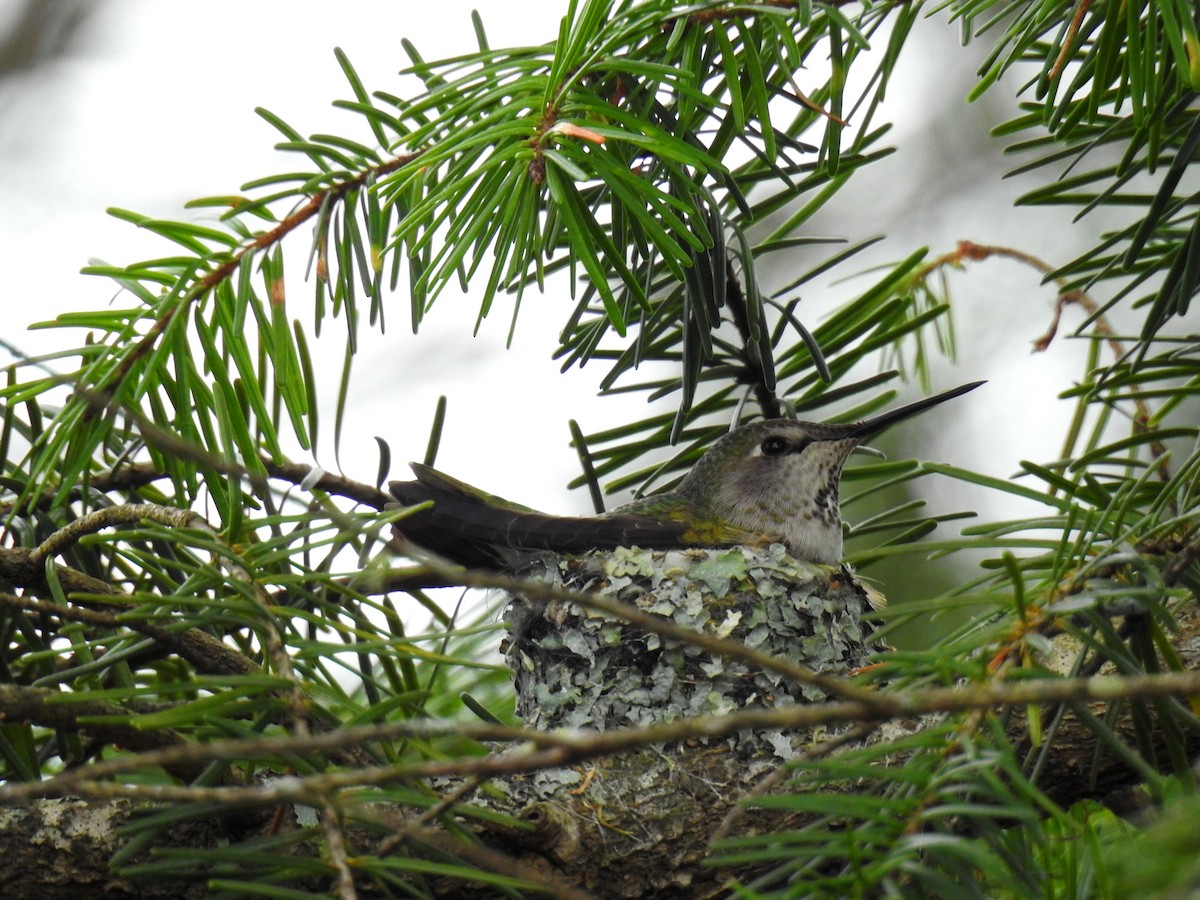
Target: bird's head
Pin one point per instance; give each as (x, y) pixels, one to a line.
(779, 478)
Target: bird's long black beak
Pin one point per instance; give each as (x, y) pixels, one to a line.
(871, 427)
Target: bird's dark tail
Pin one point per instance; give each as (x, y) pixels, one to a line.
(479, 530)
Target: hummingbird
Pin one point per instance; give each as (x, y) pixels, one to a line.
(772, 481)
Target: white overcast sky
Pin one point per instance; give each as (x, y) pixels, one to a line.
(154, 106)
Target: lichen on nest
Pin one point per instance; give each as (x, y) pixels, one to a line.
(577, 668)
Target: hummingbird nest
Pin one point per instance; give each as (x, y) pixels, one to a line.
(578, 668)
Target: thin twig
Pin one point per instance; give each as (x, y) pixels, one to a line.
(259, 242)
(115, 517)
(45, 707)
(486, 858)
(561, 748)
(331, 828)
(769, 782)
(208, 655)
(969, 250)
(1068, 43)
(135, 475)
(1181, 562)
(452, 798)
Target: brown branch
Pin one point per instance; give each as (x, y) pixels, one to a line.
(560, 748)
(17, 567)
(80, 867)
(55, 709)
(612, 834)
(137, 513)
(969, 250)
(854, 735)
(1181, 562)
(337, 485)
(493, 861)
(335, 844)
(135, 475)
(1064, 53)
(27, 569)
(114, 517)
(405, 832)
(209, 655)
(225, 269)
(128, 477)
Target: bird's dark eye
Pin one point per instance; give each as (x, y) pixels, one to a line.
(773, 446)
